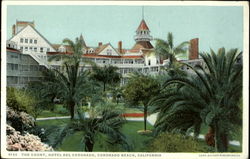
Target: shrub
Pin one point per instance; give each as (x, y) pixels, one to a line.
(20, 100)
(26, 142)
(169, 142)
(21, 121)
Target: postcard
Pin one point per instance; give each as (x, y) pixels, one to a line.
(125, 79)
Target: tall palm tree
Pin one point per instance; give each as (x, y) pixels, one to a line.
(71, 82)
(167, 50)
(208, 96)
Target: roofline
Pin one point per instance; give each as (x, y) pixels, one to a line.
(12, 49)
(35, 31)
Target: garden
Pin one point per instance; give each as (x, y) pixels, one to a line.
(88, 110)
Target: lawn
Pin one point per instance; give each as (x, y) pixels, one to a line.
(51, 123)
(59, 110)
(138, 141)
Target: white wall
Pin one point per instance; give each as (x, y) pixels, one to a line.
(30, 34)
(152, 58)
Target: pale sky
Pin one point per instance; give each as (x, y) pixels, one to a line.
(214, 26)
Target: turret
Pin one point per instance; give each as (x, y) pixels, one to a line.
(143, 32)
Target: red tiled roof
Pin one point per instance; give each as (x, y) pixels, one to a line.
(142, 45)
(59, 53)
(143, 26)
(12, 50)
(105, 56)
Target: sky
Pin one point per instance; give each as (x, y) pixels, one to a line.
(215, 26)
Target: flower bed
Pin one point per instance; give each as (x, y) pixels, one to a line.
(133, 115)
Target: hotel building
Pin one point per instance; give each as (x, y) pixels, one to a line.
(33, 51)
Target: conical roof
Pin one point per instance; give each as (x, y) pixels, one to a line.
(142, 26)
(82, 41)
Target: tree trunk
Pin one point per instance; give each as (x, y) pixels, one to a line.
(145, 117)
(221, 142)
(89, 146)
(209, 137)
(72, 110)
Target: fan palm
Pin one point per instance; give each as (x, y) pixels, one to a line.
(108, 122)
(209, 96)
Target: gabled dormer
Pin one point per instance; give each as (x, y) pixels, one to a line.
(62, 49)
(108, 50)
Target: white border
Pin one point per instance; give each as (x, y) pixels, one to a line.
(245, 152)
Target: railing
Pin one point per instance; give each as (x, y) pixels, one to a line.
(40, 60)
(147, 37)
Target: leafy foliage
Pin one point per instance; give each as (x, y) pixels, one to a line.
(106, 75)
(71, 82)
(20, 121)
(167, 50)
(21, 100)
(139, 90)
(108, 122)
(169, 142)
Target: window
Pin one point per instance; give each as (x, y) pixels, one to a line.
(34, 68)
(12, 66)
(12, 80)
(31, 48)
(14, 56)
(21, 40)
(26, 48)
(35, 49)
(31, 41)
(41, 49)
(35, 41)
(21, 48)
(109, 51)
(47, 49)
(26, 40)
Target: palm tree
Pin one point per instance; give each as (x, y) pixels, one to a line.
(106, 75)
(107, 122)
(71, 82)
(167, 50)
(208, 96)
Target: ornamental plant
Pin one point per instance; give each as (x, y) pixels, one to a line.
(170, 142)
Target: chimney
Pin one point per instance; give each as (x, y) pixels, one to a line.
(13, 29)
(99, 44)
(120, 46)
(194, 49)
